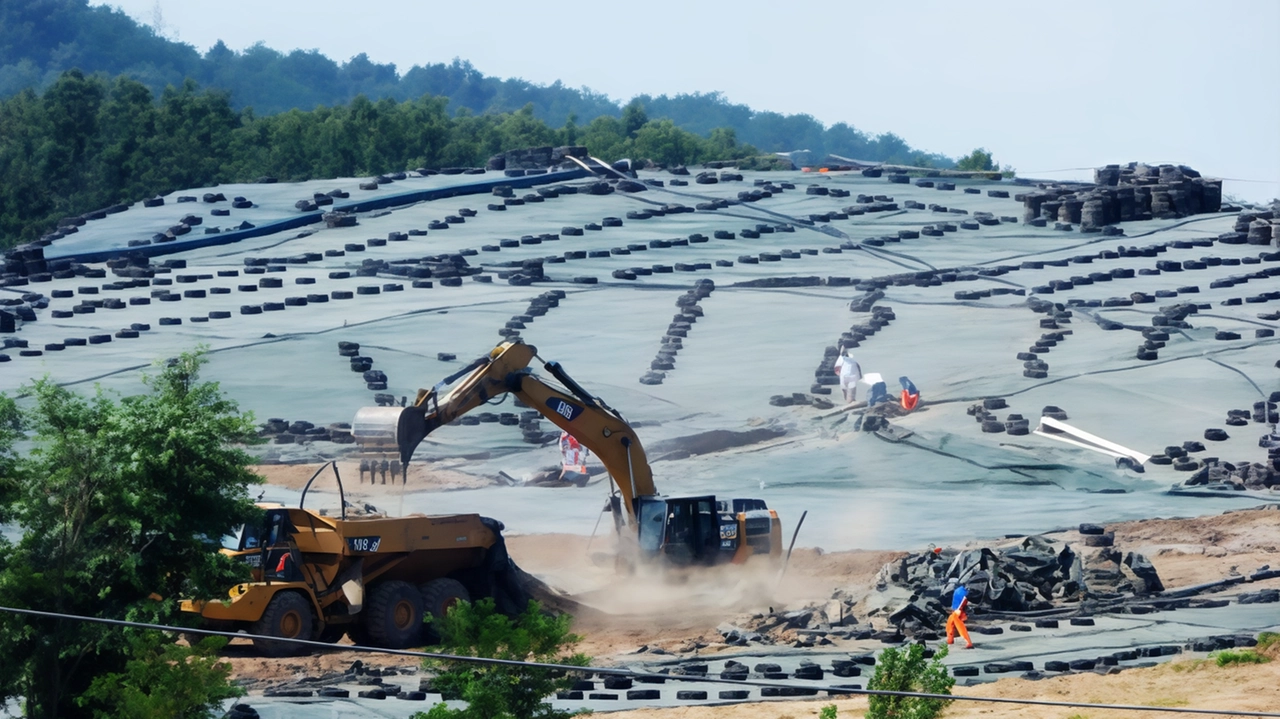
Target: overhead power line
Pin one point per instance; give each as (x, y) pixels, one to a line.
(629, 673)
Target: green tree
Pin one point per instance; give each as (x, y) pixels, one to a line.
(604, 138)
(522, 129)
(977, 160)
(10, 433)
(633, 118)
(666, 144)
(906, 670)
(502, 692)
(119, 504)
(569, 133)
(164, 680)
(723, 144)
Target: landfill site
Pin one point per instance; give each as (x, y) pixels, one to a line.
(1064, 400)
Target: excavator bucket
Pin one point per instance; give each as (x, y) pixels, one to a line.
(385, 427)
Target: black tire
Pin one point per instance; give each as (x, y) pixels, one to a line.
(438, 596)
(394, 615)
(359, 634)
(287, 616)
(332, 633)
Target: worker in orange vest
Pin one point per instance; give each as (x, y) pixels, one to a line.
(910, 395)
(955, 622)
(573, 460)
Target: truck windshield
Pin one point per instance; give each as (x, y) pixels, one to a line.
(242, 538)
(652, 516)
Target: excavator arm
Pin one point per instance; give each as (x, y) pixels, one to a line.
(596, 425)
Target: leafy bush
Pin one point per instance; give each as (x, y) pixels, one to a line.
(502, 692)
(1243, 656)
(979, 159)
(827, 712)
(1268, 641)
(164, 679)
(906, 670)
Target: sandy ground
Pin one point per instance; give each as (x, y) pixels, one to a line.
(637, 612)
(423, 477)
(619, 615)
(1197, 684)
(627, 613)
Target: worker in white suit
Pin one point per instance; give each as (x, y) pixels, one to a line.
(849, 372)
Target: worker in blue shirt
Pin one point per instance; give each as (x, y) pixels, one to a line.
(955, 622)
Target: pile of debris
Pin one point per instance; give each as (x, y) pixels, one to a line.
(1237, 477)
(806, 627)
(1036, 575)
(369, 682)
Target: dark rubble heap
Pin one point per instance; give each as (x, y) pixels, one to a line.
(1037, 575)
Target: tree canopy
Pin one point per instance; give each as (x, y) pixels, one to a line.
(98, 109)
(979, 159)
(41, 39)
(120, 504)
(87, 143)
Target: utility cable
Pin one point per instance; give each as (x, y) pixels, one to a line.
(514, 663)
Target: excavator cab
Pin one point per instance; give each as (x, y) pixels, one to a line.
(685, 531)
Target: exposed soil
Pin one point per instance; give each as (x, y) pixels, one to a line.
(423, 477)
(620, 615)
(1184, 684)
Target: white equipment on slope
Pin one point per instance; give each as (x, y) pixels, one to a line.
(1063, 432)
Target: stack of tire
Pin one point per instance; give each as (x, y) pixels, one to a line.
(677, 331)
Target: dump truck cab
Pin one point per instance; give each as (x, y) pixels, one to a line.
(245, 541)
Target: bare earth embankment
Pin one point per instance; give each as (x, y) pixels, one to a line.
(1196, 684)
(621, 615)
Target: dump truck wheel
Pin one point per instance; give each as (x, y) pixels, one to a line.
(394, 618)
(288, 616)
(438, 595)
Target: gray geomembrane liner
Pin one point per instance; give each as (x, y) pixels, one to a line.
(947, 481)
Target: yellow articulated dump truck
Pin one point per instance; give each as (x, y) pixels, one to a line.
(373, 578)
(655, 529)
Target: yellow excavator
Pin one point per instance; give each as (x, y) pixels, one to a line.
(675, 531)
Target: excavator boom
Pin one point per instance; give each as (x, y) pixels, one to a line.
(596, 425)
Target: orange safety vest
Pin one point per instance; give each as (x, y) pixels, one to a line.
(909, 400)
(573, 454)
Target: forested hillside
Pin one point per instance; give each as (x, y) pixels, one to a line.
(40, 39)
(87, 143)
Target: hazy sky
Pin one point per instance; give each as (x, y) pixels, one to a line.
(1044, 86)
